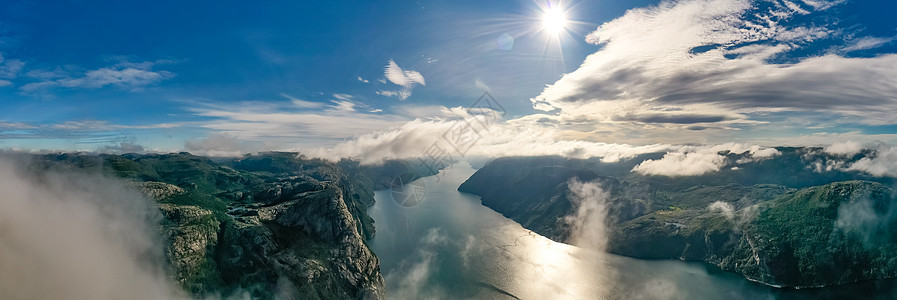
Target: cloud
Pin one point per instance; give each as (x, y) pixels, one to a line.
(302, 103)
(126, 75)
(482, 85)
(10, 68)
(589, 226)
(723, 207)
(882, 163)
(682, 164)
(279, 126)
(342, 106)
(221, 145)
(90, 132)
(718, 65)
(416, 138)
(77, 236)
(411, 279)
(825, 139)
(363, 80)
(848, 148)
(867, 43)
(872, 219)
(127, 145)
(407, 79)
(700, 160)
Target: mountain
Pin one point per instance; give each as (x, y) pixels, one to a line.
(780, 221)
(261, 224)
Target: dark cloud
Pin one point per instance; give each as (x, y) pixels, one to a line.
(672, 118)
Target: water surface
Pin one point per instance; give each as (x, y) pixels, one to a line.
(451, 247)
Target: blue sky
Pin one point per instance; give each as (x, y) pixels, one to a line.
(229, 76)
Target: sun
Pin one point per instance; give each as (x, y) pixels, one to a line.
(553, 20)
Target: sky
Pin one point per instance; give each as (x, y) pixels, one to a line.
(384, 79)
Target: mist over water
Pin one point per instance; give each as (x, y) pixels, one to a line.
(588, 225)
(452, 247)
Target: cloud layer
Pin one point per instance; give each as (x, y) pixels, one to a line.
(422, 137)
(700, 160)
(77, 236)
(721, 64)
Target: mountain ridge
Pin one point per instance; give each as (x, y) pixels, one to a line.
(750, 226)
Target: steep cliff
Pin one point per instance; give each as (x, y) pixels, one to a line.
(274, 225)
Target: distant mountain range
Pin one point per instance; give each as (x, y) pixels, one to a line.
(783, 220)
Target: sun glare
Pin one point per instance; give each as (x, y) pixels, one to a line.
(554, 21)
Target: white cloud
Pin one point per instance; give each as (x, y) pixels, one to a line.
(127, 75)
(411, 278)
(825, 139)
(589, 226)
(756, 153)
(481, 85)
(221, 145)
(285, 127)
(705, 65)
(343, 105)
(883, 163)
(407, 79)
(413, 139)
(37, 86)
(10, 68)
(5, 83)
(760, 152)
(682, 164)
(388, 93)
(363, 80)
(83, 132)
(344, 97)
(125, 145)
(77, 236)
(723, 207)
(866, 43)
(700, 160)
(47, 74)
(302, 103)
(124, 77)
(847, 148)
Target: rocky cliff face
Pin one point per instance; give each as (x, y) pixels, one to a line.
(295, 236)
(274, 225)
(785, 234)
